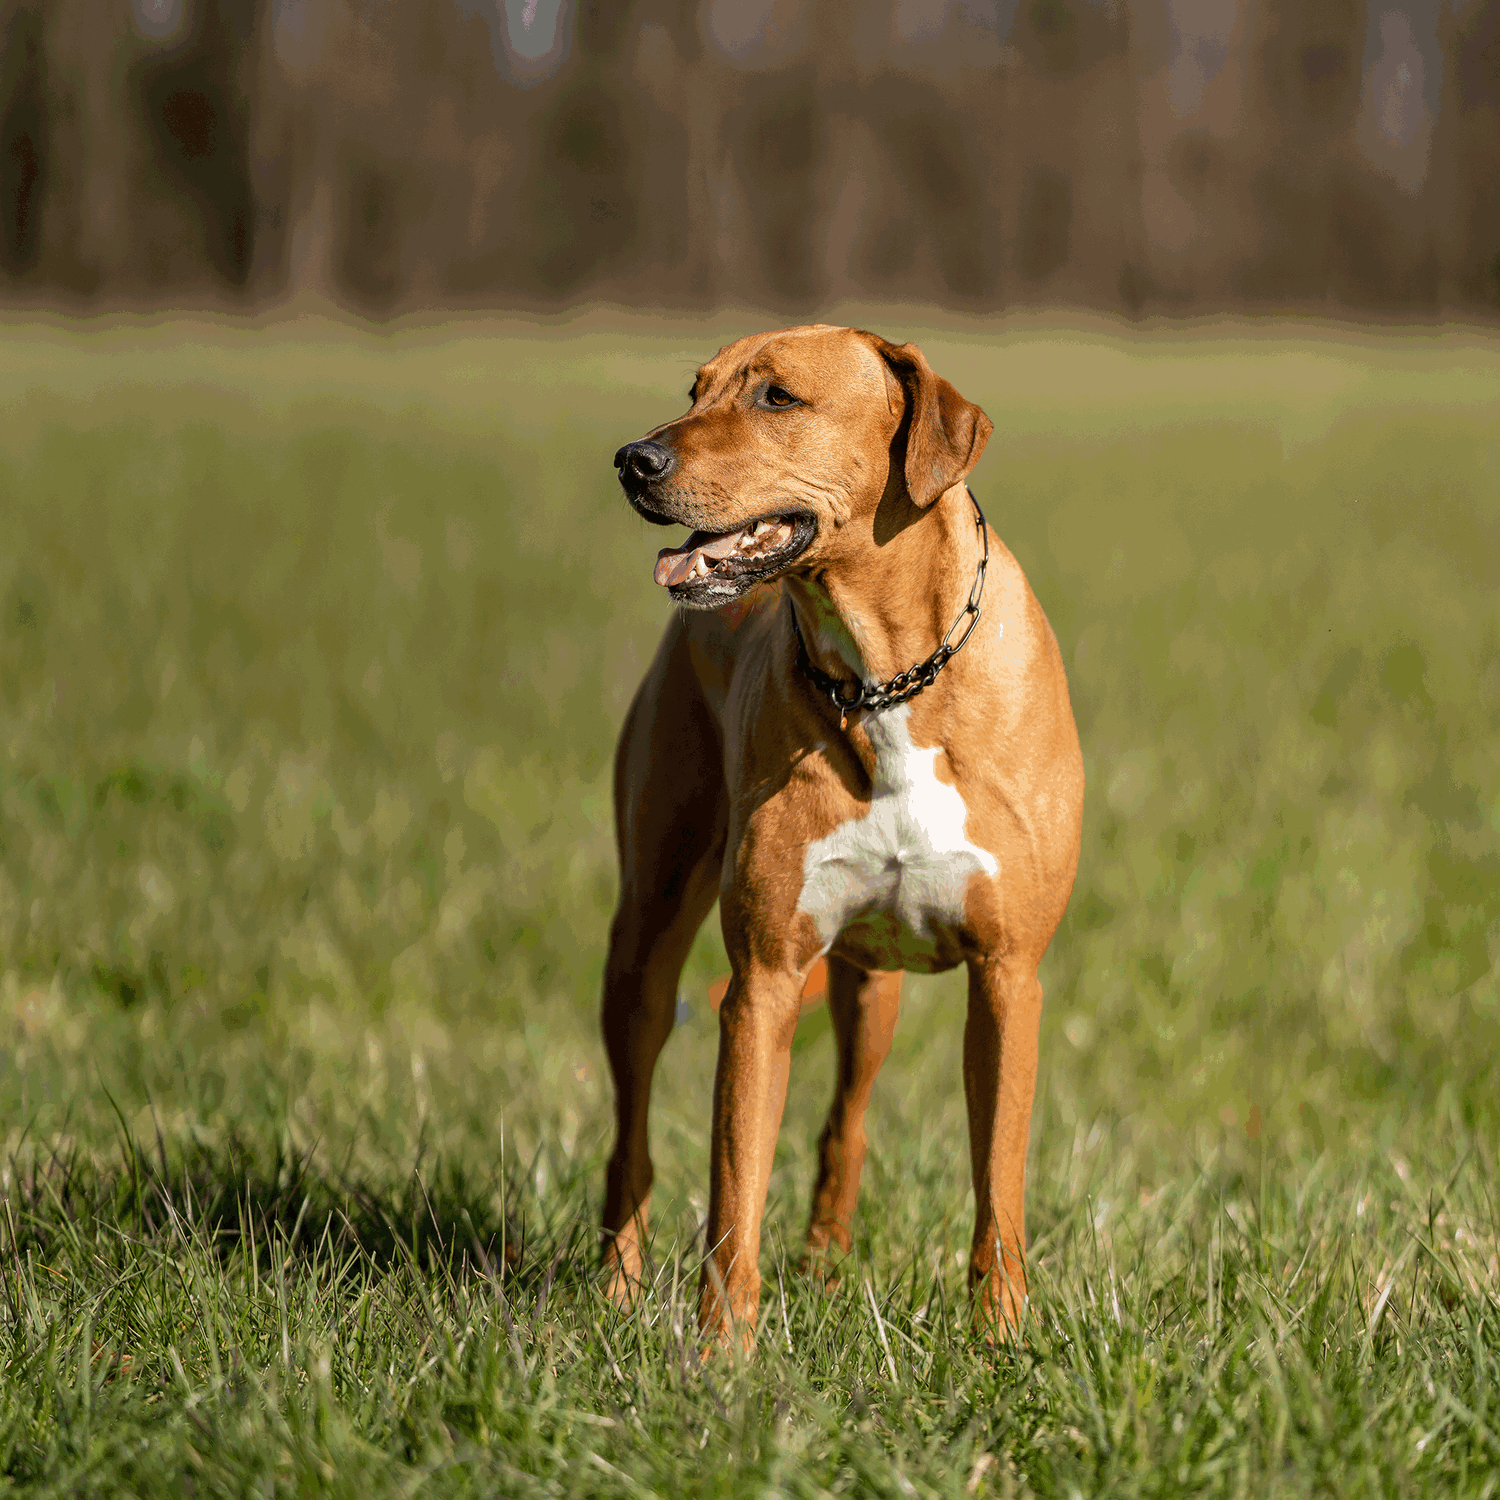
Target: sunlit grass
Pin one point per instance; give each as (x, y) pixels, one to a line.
(313, 649)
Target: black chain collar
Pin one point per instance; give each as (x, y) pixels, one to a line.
(874, 696)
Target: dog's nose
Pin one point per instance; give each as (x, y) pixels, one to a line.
(643, 461)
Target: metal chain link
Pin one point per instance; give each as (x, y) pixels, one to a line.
(904, 685)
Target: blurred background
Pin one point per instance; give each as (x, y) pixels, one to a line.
(1136, 157)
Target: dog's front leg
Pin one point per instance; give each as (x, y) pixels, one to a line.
(756, 1023)
(1000, 1059)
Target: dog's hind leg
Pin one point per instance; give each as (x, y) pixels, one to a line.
(1000, 1060)
(670, 824)
(863, 1005)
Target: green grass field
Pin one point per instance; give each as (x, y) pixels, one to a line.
(313, 649)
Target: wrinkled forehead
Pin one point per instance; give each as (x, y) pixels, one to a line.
(828, 357)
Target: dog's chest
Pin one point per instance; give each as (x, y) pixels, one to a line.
(889, 885)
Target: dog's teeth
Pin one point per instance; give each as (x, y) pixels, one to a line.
(762, 527)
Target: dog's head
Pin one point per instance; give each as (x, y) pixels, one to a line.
(791, 436)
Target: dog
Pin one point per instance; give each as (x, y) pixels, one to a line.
(856, 735)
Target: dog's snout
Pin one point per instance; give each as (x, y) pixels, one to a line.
(643, 461)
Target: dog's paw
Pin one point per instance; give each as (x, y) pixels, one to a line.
(823, 1264)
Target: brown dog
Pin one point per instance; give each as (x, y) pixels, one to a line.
(933, 822)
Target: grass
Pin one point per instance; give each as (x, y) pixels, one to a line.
(312, 652)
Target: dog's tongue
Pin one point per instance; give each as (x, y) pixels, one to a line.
(674, 564)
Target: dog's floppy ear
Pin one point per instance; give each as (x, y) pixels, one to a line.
(944, 433)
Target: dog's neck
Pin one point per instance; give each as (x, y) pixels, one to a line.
(890, 606)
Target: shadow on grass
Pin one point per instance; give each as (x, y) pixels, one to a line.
(249, 1197)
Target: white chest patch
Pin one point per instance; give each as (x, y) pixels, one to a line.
(892, 882)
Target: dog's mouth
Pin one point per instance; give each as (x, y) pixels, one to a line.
(712, 567)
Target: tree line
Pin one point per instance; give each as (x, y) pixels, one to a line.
(1135, 156)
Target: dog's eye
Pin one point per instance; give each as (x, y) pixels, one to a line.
(775, 396)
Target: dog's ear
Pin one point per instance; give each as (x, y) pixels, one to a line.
(944, 433)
